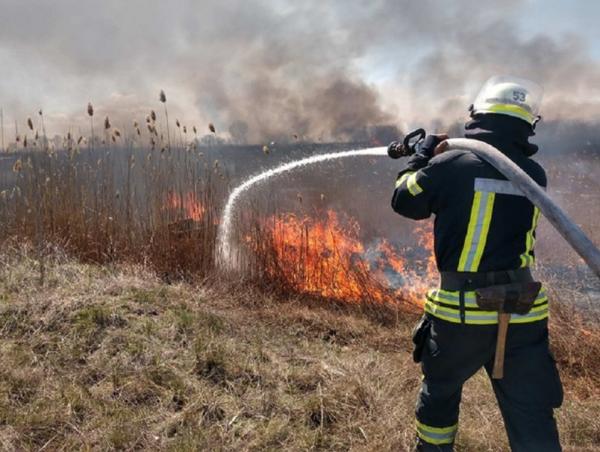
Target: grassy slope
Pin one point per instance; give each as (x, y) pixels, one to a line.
(106, 358)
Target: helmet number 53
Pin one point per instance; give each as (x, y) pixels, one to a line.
(519, 96)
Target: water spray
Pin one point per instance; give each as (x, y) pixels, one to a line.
(224, 247)
(572, 233)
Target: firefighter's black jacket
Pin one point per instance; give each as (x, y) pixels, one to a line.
(482, 222)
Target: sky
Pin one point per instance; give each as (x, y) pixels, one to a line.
(578, 17)
(280, 67)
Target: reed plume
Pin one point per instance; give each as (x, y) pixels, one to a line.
(178, 124)
(90, 112)
(163, 98)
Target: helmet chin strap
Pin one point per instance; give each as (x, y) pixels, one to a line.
(537, 119)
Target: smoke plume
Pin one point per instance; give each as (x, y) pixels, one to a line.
(281, 70)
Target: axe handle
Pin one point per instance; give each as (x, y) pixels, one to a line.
(503, 321)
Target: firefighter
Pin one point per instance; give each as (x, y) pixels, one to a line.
(484, 236)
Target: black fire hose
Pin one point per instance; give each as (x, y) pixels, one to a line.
(559, 219)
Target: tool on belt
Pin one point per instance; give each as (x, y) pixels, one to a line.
(506, 292)
(507, 299)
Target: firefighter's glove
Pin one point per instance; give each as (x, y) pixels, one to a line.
(425, 151)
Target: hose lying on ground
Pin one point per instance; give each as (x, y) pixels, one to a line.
(559, 219)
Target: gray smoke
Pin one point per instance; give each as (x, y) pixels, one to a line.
(279, 70)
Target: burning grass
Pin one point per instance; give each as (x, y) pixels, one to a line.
(161, 209)
(323, 255)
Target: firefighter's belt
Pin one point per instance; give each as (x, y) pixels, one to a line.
(467, 281)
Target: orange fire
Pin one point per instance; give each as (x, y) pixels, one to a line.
(327, 258)
(186, 203)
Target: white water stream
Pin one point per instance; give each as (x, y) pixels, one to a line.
(224, 247)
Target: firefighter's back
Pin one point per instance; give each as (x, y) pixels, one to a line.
(483, 222)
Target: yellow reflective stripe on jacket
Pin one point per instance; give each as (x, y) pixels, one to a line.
(413, 187)
(483, 317)
(531, 317)
(474, 315)
(453, 297)
(436, 435)
(477, 232)
(481, 314)
(527, 258)
(402, 178)
(511, 110)
(411, 183)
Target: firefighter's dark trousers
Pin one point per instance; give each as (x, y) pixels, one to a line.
(527, 394)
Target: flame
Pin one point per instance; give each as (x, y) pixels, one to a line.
(188, 204)
(326, 257)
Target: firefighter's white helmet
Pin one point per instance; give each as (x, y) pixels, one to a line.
(511, 96)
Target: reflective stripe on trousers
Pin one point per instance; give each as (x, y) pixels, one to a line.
(436, 435)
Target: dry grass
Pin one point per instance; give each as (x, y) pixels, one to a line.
(116, 204)
(109, 357)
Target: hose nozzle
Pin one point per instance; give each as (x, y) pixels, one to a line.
(408, 145)
(397, 150)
